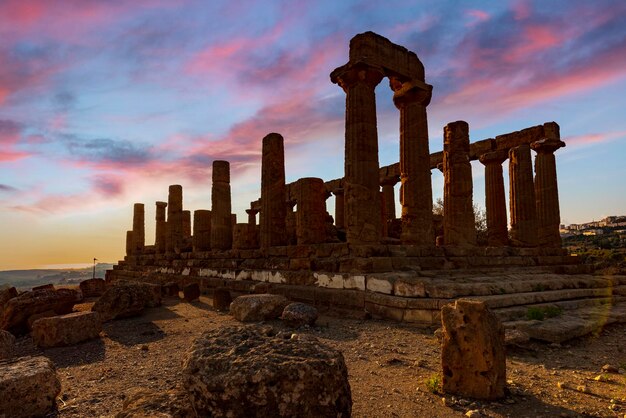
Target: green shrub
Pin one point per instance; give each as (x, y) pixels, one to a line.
(552, 311)
(534, 313)
(433, 383)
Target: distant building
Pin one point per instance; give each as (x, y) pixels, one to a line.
(593, 232)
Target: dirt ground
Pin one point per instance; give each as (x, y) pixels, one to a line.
(389, 365)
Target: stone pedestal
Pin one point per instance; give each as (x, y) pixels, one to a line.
(495, 199)
(201, 230)
(160, 230)
(174, 226)
(458, 211)
(361, 182)
(522, 198)
(339, 209)
(273, 209)
(411, 98)
(139, 228)
(546, 192)
(221, 222)
(311, 214)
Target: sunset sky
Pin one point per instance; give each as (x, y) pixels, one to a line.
(106, 103)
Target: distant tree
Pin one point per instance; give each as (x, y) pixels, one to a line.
(480, 220)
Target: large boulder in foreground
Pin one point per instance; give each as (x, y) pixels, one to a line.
(146, 403)
(5, 295)
(14, 316)
(250, 371)
(127, 299)
(7, 345)
(28, 387)
(66, 329)
(92, 287)
(252, 308)
(473, 355)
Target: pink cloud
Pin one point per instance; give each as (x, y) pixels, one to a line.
(477, 16)
(594, 138)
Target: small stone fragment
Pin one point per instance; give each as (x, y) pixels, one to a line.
(92, 287)
(66, 329)
(298, 314)
(473, 413)
(249, 308)
(221, 299)
(607, 368)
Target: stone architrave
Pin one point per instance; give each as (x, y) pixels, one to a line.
(411, 98)
(546, 192)
(139, 228)
(361, 181)
(339, 208)
(473, 355)
(130, 243)
(458, 212)
(174, 224)
(522, 201)
(495, 198)
(160, 230)
(221, 220)
(201, 230)
(273, 208)
(311, 211)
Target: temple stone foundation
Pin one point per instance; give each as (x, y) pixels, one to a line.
(364, 261)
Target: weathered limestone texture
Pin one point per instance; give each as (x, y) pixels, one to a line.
(252, 372)
(187, 223)
(7, 345)
(92, 287)
(242, 239)
(253, 230)
(273, 207)
(522, 201)
(141, 402)
(361, 181)
(311, 211)
(298, 314)
(67, 329)
(127, 299)
(221, 222)
(221, 299)
(290, 223)
(16, 312)
(458, 212)
(389, 199)
(202, 230)
(473, 355)
(339, 208)
(546, 192)
(254, 308)
(174, 240)
(160, 229)
(411, 98)
(29, 387)
(139, 228)
(130, 243)
(495, 198)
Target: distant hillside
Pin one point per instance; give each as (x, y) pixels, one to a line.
(25, 279)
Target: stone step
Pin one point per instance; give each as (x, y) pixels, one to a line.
(572, 324)
(532, 298)
(518, 313)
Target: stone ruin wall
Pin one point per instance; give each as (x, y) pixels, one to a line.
(362, 253)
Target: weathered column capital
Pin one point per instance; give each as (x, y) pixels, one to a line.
(547, 145)
(252, 211)
(161, 204)
(409, 92)
(494, 157)
(352, 74)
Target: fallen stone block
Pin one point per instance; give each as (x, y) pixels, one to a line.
(28, 387)
(14, 316)
(66, 329)
(191, 292)
(251, 371)
(249, 308)
(472, 351)
(298, 314)
(146, 403)
(92, 287)
(125, 300)
(170, 289)
(48, 286)
(221, 299)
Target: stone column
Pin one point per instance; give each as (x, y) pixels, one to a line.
(174, 228)
(459, 226)
(495, 199)
(389, 198)
(139, 228)
(411, 98)
(160, 230)
(201, 230)
(187, 223)
(546, 192)
(273, 209)
(311, 213)
(221, 220)
(252, 216)
(339, 209)
(290, 223)
(522, 198)
(130, 243)
(252, 229)
(361, 182)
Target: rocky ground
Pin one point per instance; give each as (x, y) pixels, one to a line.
(393, 368)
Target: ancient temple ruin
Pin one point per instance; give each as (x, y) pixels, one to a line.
(361, 258)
